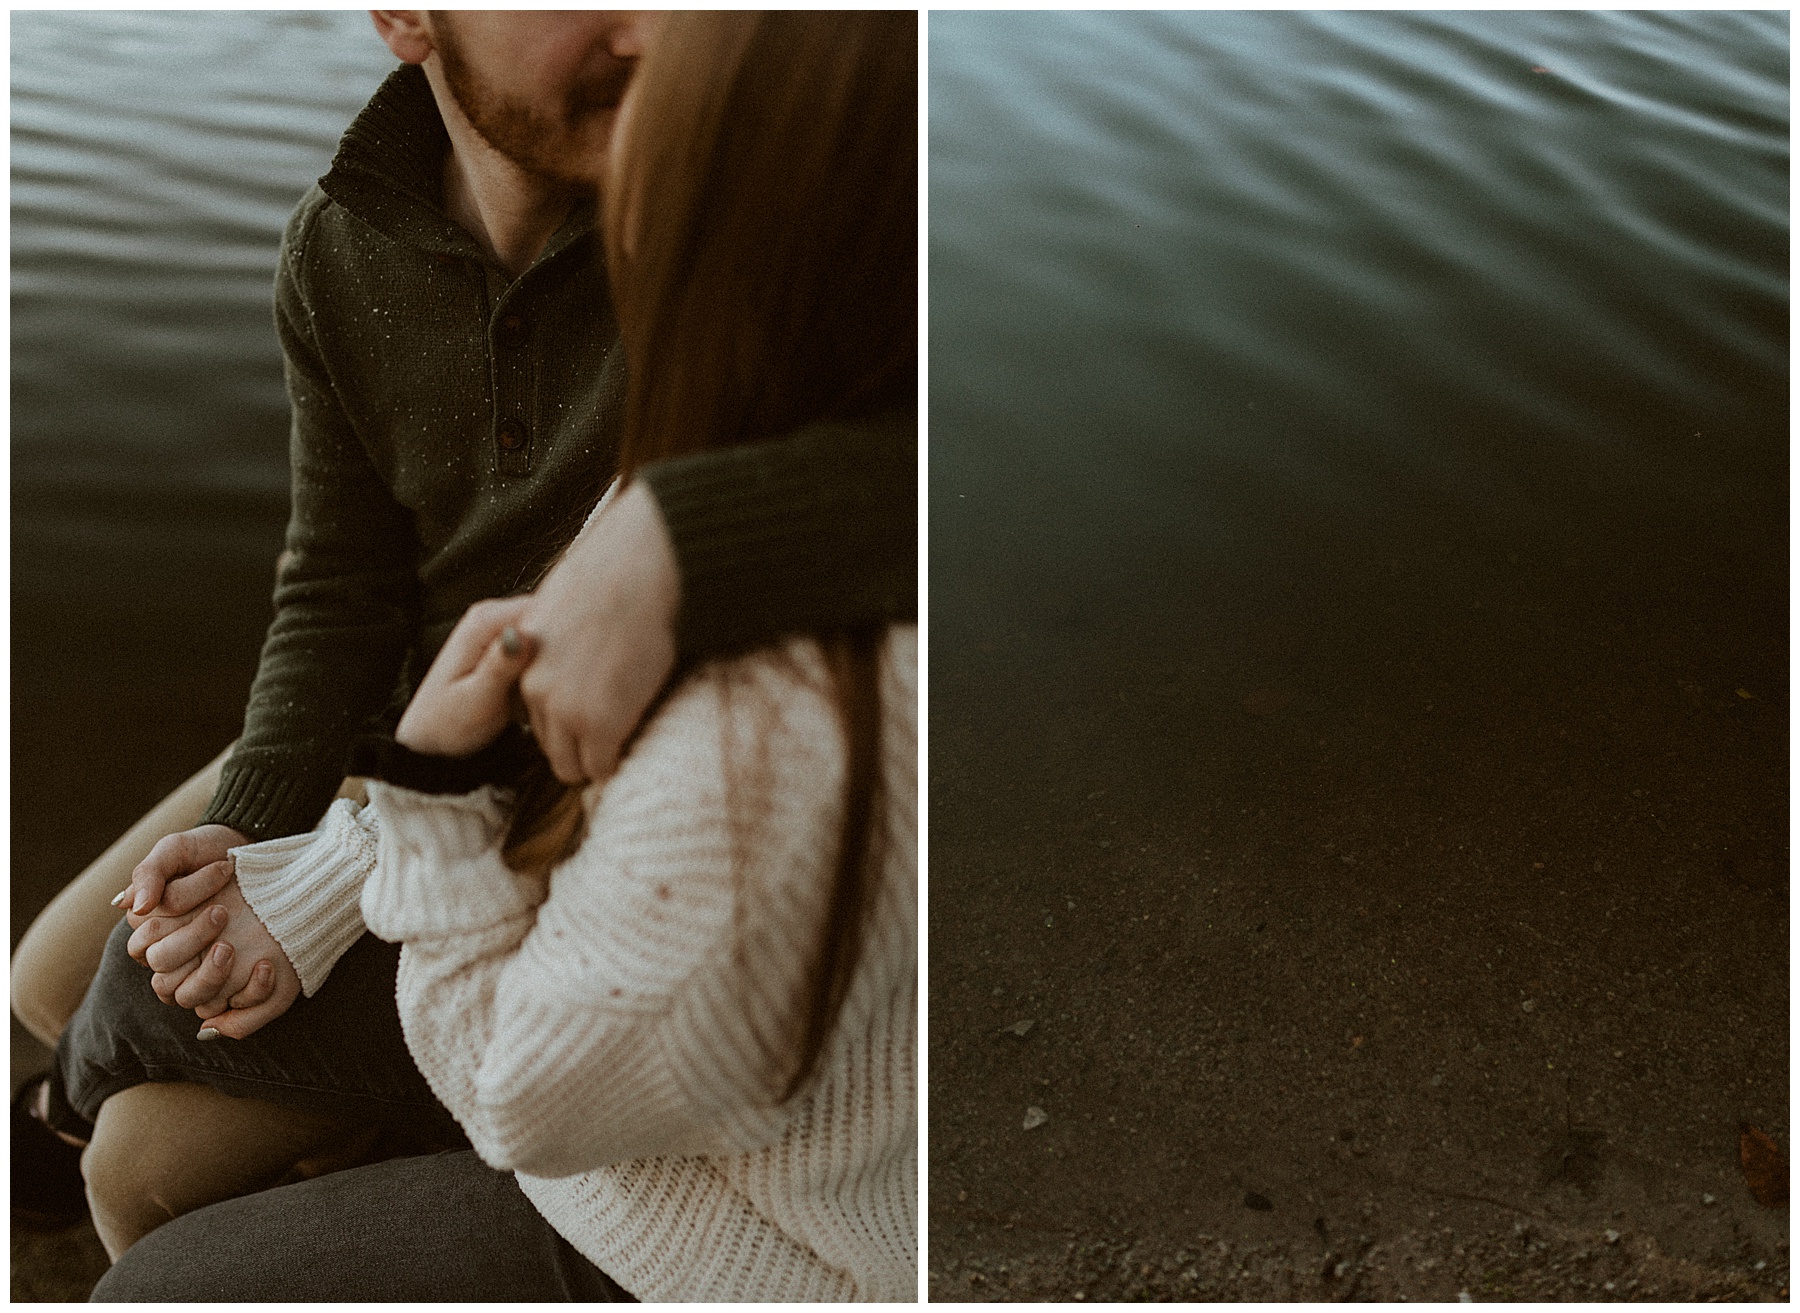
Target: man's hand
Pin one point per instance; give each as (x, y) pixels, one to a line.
(222, 962)
(198, 853)
(603, 622)
(465, 699)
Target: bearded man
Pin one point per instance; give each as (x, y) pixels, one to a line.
(456, 384)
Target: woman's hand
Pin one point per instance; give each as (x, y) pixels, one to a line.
(221, 963)
(466, 699)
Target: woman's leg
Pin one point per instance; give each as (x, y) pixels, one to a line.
(162, 1150)
(59, 954)
(439, 1228)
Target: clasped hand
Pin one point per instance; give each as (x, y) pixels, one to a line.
(204, 945)
(216, 958)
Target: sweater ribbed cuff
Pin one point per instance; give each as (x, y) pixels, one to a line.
(813, 533)
(438, 869)
(307, 889)
(269, 802)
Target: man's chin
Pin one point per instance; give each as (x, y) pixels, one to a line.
(575, 154)
(571, 150)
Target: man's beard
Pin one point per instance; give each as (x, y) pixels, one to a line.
(561, 144)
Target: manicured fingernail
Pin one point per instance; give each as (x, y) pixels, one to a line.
(142, 903)
(120, 896)
(207, 1032)
(218, 915)
(221, 954)
(509, 642)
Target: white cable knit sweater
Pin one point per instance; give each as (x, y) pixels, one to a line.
(596, 1036)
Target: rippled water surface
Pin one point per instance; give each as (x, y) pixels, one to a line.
(1189, 269)
(155, 159)
(1247, 324)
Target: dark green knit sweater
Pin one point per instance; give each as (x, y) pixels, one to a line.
(452, 428)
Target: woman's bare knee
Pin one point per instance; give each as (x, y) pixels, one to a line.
(162, 1150)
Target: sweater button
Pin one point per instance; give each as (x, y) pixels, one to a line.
(512, 435)
(512, 330)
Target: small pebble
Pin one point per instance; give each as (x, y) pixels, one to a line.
(1612, 1237)
(1529, 1005)
(1035, 1117)
(1708, 1199)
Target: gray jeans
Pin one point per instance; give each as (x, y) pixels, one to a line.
(441, 1226)
(339, 1054)
(445, 1227)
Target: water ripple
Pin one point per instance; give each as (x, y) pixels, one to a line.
(156, 157)
(1433, 245)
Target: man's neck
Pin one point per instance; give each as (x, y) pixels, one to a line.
(511, 212)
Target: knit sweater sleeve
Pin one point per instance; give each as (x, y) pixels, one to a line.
(614, 1015)
(346, 596)
(307, 888)
(816, 532)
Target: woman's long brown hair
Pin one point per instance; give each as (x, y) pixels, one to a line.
(761, 233)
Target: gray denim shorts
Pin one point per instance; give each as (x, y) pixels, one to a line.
(340, 1054)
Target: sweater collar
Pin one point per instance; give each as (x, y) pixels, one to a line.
(389, 172)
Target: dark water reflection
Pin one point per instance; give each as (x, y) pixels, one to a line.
(155, 158)
(1226, 306)
(1198, 267)
(1350, 432)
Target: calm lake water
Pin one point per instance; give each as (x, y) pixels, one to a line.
(1196, 275)
(1290, 337)
(155, 159)
(1358, 530)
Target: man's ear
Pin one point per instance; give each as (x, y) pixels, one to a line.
(405, 32)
